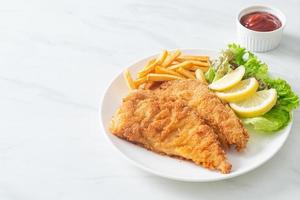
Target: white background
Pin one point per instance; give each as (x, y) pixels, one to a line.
(56, 59)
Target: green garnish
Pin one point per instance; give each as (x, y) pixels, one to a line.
(279, 116)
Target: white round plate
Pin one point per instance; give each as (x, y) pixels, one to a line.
(261, 147)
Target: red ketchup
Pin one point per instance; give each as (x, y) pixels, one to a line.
(261, 21)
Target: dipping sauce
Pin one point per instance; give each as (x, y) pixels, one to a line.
(261, 21)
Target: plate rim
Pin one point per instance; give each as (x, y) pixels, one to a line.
(151, 171)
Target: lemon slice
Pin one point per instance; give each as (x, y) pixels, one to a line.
(241, 91)
(258, 104)
(229, 80)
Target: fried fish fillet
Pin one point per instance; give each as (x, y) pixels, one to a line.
(211, 109)
(168, 126)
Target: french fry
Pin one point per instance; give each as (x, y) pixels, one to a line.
(162, 57)
(149, 68)
(186, 73)
(129, 79)
(192, 57)
(162, 77)
(183, 65)
(169, 66)
(204, 69)
(161, 70)
(152, 63)
(200, 75)
(195, 67)
(171, 58)
(192, 67)
(200, 64)
(175, 62)
(209, 63)
(140, 81)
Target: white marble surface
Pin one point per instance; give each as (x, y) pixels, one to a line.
(56, 58)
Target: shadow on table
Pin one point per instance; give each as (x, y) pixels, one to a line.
(289, 46)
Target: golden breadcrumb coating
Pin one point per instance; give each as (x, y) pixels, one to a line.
(212, 110)
(168, 125)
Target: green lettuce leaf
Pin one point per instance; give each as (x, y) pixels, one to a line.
(287, 100)
(273, 120)
(222, 65)
(210, 75)
(222, 70)
(253, 66)
(279, 116)
(238, 53)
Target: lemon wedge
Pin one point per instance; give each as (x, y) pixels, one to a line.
(258, 104)
(229, 80)
(241, 91)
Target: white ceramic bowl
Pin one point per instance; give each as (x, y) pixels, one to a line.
(255, 40)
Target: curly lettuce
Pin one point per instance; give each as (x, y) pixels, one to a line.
(287, 100)
(210, 74)
(273, 120)
(220, 67)
(279, 116)
(253, 66)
